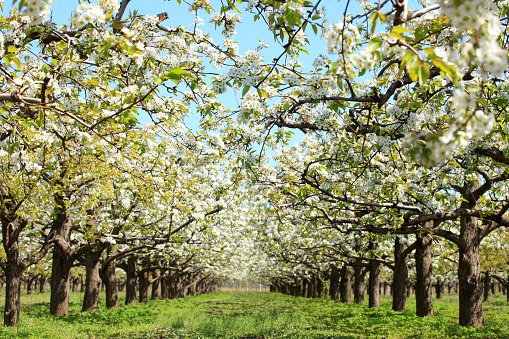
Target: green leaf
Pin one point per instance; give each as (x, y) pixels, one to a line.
(423, 73)
(16, 61)
(373, 18)
(12, 49)
(400, 30)
(374, 44)
(262, 93)
(483, 102)
(245, 90)
(449, 70)
(420, 33)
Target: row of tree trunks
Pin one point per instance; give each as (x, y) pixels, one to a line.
(351, 279)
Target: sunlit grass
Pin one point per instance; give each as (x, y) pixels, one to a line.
(252, 315)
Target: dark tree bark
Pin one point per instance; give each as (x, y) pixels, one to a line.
(319, 284)
(359, 282)
(423, 286)
(42, 283)
(131, 272)
(144, 282)
(92, 281)
(75, 283)
(62, 260)
(374, 284)
(12, 296)
(61, 266)
(334, 282)
(487, 286)
(439, 288)
(109, 278)
(346, 284)
(156, 284)
(165, 292)
(400, 278)
(469, 274)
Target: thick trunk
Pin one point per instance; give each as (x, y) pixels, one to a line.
(42, 284)
(487, 286)
(312, 287)
(374, 283)
(156, 285)
(400, 279)
(319, 285)
(359, 283)
(469, 274)
(144, 285)
(91, 298)
(30, 282)
(59, 282)
(346, 284)
(75, 284)
(130, 295)
(334, 283)
(109, 278)
(165, 291)
(423, 286)
(62, 261)
(439, 288)
(12, 296)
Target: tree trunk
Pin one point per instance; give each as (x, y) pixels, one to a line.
(12, 296)
(59, 283)
(359, 283)
(439, 288)
(334, 283)
(130, 295)
(423, 286)
(165, 292)
(346, 284)
(109, 278)
(92, 281)
(156, 285)
(400, 279)
(42, 283)
(469, 274)
(487, 286)
(374, 284)
(144, 285)
(62, 260)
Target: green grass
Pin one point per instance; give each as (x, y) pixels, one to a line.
(252, 315)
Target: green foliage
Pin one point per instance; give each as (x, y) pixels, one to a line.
(254, 315)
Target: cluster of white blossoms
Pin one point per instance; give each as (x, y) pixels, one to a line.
(469, 123)
(231, 46)
(88, 13)
(320, 61)
(318, 85)
(290, 77)
(228, 21)
(341, 39)
(478, 15)
(250, 103)
(109, 5)
(364, 60)
(37, 10)
(239, 73)
(219, 86)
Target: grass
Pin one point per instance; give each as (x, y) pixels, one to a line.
(252, 315)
